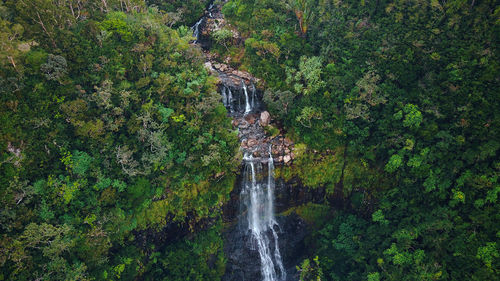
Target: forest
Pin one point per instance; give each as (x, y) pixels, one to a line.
(118, 157)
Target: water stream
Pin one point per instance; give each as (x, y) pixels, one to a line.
(257, 221)
(257, 200)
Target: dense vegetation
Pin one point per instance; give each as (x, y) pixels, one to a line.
(111, 130)
(400, 100)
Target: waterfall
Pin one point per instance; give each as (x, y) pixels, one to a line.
(254, 90)
(224, 96)
(257, 196)
(248, 108)
(210, 10)
(270, 209)
(258, 225)
(230, 100)
(196, 30)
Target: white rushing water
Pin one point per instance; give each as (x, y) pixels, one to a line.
(248, 108)
(254, 90)
(258, 197)
(196, 30)
(224, 96)
(230, 100)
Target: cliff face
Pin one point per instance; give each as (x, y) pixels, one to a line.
(241, 258)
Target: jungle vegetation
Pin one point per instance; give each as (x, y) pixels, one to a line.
(112, 133)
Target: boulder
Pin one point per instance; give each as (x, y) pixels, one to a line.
(252, 142)
(223, 67)
(287, 158)
(208, 65)
(265, 118)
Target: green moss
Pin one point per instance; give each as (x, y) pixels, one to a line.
(313, 169)
(272, 131)
(314, 214)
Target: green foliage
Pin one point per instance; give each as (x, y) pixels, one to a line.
(378, 216)
(488, 254)
(199, 258)
(272, 131)
(394, 163)
(404, 97)
(278, 102)
(314, 214)
(222, 37)
(315, 170)
(115, 23)
(310, 271)
(413, 117)
(81, 162)
(181, 12)
(111, 128)
(55, 68)
(308, 114)
(307, 79)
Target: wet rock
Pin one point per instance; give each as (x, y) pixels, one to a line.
(235, 122)
(244, 144)
(281, 148)
(252, 142)
(250, 118)
(242, 74)
(287, 159)
(265, 118)
(208, 65)
(243, 125)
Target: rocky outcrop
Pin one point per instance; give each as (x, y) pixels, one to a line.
(254, 138)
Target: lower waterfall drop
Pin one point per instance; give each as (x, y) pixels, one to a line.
(257, 197)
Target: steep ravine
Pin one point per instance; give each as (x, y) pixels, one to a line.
(258, 244)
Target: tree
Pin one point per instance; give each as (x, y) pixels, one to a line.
(307, 79)
(303, 10)
(222, 37)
